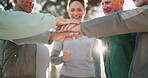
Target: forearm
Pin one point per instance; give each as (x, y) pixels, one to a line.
(122, 22)
(55, 58)
(25, 24)
(41, 38)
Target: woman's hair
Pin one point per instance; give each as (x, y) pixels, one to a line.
(83, 2)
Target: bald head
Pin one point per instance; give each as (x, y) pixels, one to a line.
(110, 6)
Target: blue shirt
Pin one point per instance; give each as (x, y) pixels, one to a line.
(17, 24)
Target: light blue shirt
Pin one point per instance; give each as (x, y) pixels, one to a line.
(17, 24)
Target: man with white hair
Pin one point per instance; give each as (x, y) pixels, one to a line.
(119, 48)
(28, 60)
(19, 29)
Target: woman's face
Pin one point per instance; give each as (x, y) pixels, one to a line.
(76, 11)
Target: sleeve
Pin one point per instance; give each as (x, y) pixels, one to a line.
(41, 38)
(96, 59)
(121, 22)
(16, 24)
(55, 54)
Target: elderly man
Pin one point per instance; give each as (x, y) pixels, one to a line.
(30, 60)
(25, 25)
(119, 48)
(123, 22)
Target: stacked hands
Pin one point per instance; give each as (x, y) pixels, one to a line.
(67, 30)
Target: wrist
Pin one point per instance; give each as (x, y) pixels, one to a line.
(50, 40)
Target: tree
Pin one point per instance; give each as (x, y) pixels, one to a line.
(6, 4)
(56, 7)
(59, 7)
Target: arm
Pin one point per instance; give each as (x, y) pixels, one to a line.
(117, 23)
(55, 58)
(46, 37)
(96, 60)
(16, 24)
(41, 38)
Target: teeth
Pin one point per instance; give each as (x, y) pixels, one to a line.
(76, 17)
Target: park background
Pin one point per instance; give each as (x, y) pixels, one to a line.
(58, 8)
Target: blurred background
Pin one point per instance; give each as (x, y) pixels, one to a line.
(55, 7)
(58, 8)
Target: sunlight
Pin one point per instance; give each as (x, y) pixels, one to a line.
(128, 4)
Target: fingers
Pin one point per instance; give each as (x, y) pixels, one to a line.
(61, 21)
(70, 34)
(72, 21)
(75, 28)
(66, 56)
(70, 27)
(68, 38)
(66, 27)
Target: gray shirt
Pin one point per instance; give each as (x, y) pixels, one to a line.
(43, 61)
(81, 63)
(42, 53)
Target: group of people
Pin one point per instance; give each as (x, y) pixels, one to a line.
(123, 32)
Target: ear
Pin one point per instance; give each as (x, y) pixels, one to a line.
(15, 2)
(121, 2)
(68, 12)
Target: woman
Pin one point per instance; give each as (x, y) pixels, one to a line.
(77, 54)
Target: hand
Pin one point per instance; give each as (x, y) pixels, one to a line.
(66, 56)
(61, 36)
(62, 21)
(71, 28)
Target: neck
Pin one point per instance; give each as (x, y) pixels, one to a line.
(16, 8)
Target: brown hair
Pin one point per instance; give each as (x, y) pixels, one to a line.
(83, 2)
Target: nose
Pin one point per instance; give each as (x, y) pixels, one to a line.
(104, 7)
(75, 12)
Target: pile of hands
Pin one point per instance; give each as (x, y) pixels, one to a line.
(67, 29)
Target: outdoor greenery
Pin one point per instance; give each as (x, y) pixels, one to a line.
(56, 7)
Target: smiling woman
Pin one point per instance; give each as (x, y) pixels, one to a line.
(79, 55)
(77, 9)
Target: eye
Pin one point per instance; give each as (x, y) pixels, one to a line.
(107, 2)
(79, 9)
(72, 10)
(102, 3)
(29, 3)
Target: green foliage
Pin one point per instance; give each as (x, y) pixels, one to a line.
(56, 7)
(6, 4)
